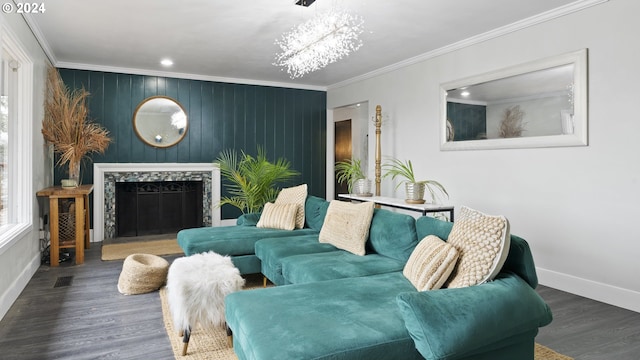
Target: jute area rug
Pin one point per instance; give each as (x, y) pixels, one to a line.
(213, 344)
(155, 247)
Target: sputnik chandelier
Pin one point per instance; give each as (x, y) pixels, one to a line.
(318, 42)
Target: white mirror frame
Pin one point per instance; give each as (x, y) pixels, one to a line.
(577, 138)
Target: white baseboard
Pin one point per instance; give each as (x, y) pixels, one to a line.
(613, 295)
(9, 297)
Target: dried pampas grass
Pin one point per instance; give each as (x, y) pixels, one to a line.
(511, 125)
(65, 123)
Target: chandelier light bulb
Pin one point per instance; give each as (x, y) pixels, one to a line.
(318, 42)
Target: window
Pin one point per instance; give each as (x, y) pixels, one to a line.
(16, 119)
(4, 148)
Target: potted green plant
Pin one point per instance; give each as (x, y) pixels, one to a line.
(415, 189)
(252, 181)
(350, 171)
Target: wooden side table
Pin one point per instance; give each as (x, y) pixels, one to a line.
(81, 240)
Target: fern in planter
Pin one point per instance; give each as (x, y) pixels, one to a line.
(350, 171)
(404, 170)
(251, 181)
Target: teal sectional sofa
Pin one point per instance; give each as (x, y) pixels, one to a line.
(331, 304)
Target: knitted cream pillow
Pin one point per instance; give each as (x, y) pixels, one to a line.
(278, 216)
(483, 243)
(430, 263)
(296, 195)
(346, 225)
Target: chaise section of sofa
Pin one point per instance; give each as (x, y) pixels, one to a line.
(339, 319)
(239, 241)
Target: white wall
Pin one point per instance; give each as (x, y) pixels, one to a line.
(20, 261)
(576, 206)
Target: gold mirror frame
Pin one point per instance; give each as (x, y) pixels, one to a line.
(160, 121)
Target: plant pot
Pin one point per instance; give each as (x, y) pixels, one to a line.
(414, 193)
(362, 187)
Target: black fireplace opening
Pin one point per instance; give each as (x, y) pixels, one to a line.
(162, 207)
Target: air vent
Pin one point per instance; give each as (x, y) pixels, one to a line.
(63, 281)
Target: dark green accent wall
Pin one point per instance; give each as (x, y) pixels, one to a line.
(469, 121)
(289, 123)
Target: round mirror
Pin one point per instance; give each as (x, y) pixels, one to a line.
(160, 121)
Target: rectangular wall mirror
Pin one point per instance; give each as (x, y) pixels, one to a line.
(542, 103)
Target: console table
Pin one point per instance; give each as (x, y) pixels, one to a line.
(80, 225)
(401, 204)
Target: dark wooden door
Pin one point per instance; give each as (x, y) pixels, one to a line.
(342, 150)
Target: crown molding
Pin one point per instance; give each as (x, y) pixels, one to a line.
(40, 38)
(501, 31)
(134, 71)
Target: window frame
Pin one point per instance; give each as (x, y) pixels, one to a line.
(20, 149)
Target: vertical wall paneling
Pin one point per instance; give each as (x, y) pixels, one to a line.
(288, 123)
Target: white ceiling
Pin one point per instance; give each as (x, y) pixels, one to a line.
(227, 40)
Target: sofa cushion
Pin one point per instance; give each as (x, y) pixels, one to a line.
(271, 252)
(483, 242)
(278, 216)
(427, 225)
(336, 265)
(315, 210)
(294, 195)
(346, 225)
(229, 240)
(392, 234)
(431, 263)
(330, 320)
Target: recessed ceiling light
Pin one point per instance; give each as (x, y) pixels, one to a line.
(465, 93)
(166, 62)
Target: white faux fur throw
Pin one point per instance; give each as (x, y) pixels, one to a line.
(197, 286)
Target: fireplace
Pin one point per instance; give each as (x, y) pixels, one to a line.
(107, 175)
(157, 207)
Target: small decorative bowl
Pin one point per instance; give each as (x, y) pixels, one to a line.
(68, 183)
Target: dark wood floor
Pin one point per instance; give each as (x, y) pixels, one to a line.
(90, 319)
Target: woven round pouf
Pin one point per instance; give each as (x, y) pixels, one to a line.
(142, 273)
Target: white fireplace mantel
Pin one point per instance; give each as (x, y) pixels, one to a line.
(102, 169)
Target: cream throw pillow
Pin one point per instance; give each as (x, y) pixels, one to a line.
(278, 216)
(296, 195)
(346, 225)
(483, 243)
(430, 263)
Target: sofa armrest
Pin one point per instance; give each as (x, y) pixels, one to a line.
(250, 219)
(455, 323)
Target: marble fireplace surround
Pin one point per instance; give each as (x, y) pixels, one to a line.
(105, 176)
